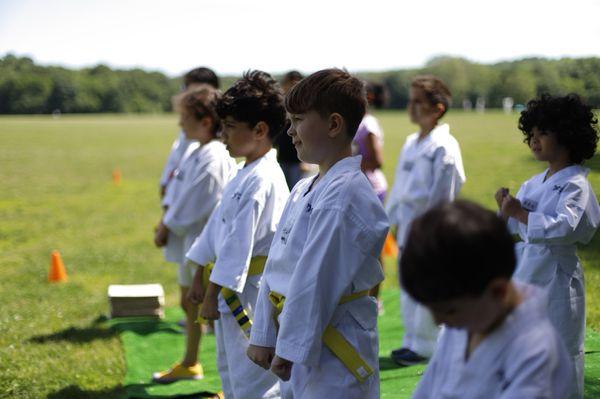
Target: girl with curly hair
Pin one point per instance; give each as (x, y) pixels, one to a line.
(554, 211)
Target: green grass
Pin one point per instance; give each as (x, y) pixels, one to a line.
(57, 193)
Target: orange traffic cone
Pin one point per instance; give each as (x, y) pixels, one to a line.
(116, 174)
(57, 273)
(390, 248)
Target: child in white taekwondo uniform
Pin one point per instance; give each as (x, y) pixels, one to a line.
(191, 80)
(315, 323)
(497, 341)
(191, 198)
(239, 233)
(556, 210)
(429, 171)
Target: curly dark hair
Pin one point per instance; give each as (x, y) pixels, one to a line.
(328, 91)
(256, 97)
(569, 118)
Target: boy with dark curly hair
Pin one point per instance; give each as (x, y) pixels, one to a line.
(555, 210)
(497, 341)
(236, 240)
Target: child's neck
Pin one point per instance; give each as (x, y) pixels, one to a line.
(512, 300)
(425, 128)
(331, 160)
(557, 164)
(258, 153)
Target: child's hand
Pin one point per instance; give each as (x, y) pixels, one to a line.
(210, 304)
(500, 194)
(161, 234)
(197, 291)
(282, 368)
(512, 207)
(261, 355)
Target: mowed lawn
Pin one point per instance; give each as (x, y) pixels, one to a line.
(57, 193)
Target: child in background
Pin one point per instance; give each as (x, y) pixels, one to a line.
(292, 167)
(193, 194)
(193, 78)
(239, 232)
(368, 142)
(429, 171)
(497, 341)
(555, 210)
(324, 257)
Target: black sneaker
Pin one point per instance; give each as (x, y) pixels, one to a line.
(406, 357)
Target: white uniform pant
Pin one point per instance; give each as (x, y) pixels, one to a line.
(420, 331)
(240, 377)
(558, 270)
(330, 379)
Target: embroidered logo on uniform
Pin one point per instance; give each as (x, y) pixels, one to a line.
(309, 208)
(529, 204)
(558, 188)
(237, 196)
(407, 166)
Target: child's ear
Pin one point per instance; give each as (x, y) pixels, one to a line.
(336, 125)
(261, 130)
(440, 109)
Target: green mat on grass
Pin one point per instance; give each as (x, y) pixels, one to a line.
(152, 345)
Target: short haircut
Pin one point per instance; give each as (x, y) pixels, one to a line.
(435, 90)
(292, 77)
(328, 91)
(201, 102)
(454, 251)
(256, 97)
(201, 75)
(568, 117)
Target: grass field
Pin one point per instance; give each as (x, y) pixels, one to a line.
(57, 193)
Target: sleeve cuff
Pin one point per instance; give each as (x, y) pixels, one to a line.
(295, 353)
(261, 338)
(535, 226)
(196, 255)
(235, 283)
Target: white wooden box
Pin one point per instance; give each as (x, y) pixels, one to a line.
(136, 300)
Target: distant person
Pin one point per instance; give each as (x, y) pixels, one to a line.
(197, 76)
(292, 167)
(498, 342)
(236, 240)
(192, 195)
(368, 142)
(556, 210)
(429, 172)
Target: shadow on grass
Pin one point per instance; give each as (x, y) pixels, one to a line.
(103, 328)
(385, 363)
(76, 335)
(592, 387)
(75, 392)
(133, 391)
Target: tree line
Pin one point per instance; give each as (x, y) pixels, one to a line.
(28, 88)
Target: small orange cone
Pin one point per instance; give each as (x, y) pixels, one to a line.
(57, 273)
(390, 248)
(116, 174)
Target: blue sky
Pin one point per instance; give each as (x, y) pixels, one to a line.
(277, 35)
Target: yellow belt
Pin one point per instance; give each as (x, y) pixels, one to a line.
(333, 339)
(257, 266)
